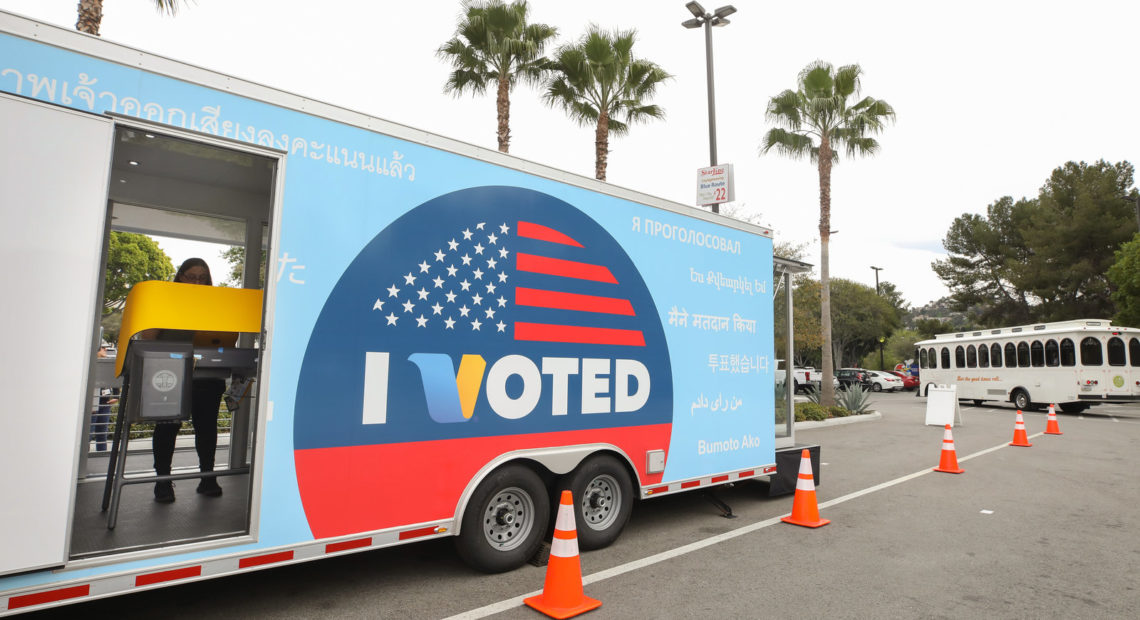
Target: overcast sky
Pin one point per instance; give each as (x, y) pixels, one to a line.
(990, 97)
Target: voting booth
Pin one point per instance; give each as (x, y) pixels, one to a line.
(173, 333)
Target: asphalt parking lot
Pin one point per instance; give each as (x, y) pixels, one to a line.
(1048, 531)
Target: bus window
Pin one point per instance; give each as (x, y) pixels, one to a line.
(983, 356)
(1068, 353)
(959, 357)
(932, 357)
(1052, 353)
(922, 358)
(1022, 354)
(1010, 355)
(995, 354)
(1037, 354)
(1090, 352)
(971, 357)
(945, 357)
(1115, 352)
(1134, 351)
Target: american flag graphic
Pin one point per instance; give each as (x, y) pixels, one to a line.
(479, 282)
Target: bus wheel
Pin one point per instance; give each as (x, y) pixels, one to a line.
(1021, 399)
(978, 403)
(603, 500)
(505, 521)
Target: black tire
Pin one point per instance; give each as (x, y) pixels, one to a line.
(603, 500)
(978, 403)
(1074, 407)
(1020, 399)
(505, 521)
(875, 387)
(796, 387)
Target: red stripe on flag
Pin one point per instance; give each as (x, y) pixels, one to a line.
(543, 332)
(531, 230)
(565, 268)
(51, 596)
(348, 544)
(269, 558)
(572, 301)
(168, 575)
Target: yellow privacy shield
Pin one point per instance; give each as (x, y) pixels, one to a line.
(173, 305)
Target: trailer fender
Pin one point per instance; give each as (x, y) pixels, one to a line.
(559, 461)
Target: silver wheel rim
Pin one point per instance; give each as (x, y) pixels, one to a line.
(508, 518)
(601, 502)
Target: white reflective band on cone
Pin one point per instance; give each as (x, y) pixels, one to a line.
(805, 484)
(948, 446)
(805, 466)
(564, 547)
(565, 520)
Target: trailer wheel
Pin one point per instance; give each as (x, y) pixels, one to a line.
(603, 500)
(505, 521)
(1020, 399)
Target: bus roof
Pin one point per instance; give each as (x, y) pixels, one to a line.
(1034, 328)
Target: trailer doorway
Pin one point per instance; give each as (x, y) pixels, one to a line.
(214, 200)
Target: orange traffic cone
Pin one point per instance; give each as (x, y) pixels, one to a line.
(1019, 436)
(805, 512)
(1051, 428)
(562, 595)
(949, 461)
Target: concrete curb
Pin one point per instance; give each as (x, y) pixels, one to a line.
(851, 419)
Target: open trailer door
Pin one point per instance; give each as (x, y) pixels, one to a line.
(54, 167)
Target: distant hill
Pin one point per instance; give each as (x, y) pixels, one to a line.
(938, 309)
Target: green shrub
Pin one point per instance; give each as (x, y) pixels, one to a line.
(855, 399)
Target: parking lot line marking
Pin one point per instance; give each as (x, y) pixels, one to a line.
(621, 569)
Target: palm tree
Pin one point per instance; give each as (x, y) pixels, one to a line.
(494, 43)
(91, 13)
(815, 121)
(599, 80)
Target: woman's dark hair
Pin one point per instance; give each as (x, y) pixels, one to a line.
(189, 264)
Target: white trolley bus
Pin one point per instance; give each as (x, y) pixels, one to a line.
(1074, 364)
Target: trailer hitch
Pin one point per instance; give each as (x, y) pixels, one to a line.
(725, 509)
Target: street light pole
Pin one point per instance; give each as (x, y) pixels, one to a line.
(708, 20)
(877, 292)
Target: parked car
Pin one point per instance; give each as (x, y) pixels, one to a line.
(883, 381)
(910, 381)
(848, 377)
(804, 376)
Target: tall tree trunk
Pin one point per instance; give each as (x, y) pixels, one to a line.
(827, 397)
(90, 16)
(601, 146)
(504, 105)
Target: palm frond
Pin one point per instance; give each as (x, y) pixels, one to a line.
(792, 144)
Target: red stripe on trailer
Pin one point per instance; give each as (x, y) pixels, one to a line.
(690, 484)
(348, 544)
(51, 596)
(168, 575)
(658, 490)
(770, 469)
(423, 531)
(745, 474)
(718, 479)
(261, 560)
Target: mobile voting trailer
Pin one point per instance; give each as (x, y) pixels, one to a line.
(447, 335)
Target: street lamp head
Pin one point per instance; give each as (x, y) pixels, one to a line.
(692, 23)
(725, 11)
(695, 8)
(717, 22)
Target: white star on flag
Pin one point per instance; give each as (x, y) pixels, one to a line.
(421, 321)
(379, 305)
(439, 255)
(409, 279)
(408, 305)
(424, 266)
(393, 291)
